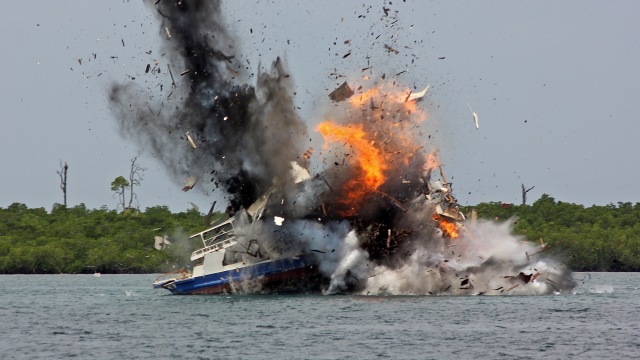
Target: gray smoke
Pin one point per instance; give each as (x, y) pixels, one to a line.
(246, 136)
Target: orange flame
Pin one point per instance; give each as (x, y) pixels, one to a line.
(369, 160)
(431, 162)
(449, 228)
(377, 97)
(381, 143)
(363, 98)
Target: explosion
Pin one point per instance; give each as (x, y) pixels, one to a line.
(377, 217)
(370, 174)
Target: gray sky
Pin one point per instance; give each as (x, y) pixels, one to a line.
(555, 85)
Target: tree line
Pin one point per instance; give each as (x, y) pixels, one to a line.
(80, 240)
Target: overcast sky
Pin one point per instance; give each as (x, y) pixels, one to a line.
(555, 86)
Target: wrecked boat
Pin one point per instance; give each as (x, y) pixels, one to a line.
(227, 264)
(234, 257)
(217, 268)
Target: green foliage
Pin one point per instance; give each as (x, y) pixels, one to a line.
(596, 238)
(80, 240)
(118, 186)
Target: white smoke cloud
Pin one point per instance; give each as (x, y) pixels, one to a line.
(486, 259)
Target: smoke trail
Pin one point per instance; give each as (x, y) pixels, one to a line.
(245, 136)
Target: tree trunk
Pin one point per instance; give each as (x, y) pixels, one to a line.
(63, 181)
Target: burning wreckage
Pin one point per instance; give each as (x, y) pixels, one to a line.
(378, 218)
(383, 220)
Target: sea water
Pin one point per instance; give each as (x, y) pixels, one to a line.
(122, 317)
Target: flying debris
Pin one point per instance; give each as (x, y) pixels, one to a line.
(189, 183)
(161, 242)
(391, 49)
(419, 95)
(341, 93)
(191, 142)
(475, 116)
(219, 55)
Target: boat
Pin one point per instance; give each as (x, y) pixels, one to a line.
(219, 270)
(231, 259)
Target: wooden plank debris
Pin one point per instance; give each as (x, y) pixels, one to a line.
(343, 92)
(190, 139)
(391, 49)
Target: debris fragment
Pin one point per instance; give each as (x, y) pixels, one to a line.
(419, 95)
(475, 119)
(347, 54)
(219, 55)
(475, 116)
(207, 219)
(189, 183)
(390, 49)
(343, 92)
(161, 242)
(173, 82)
(441, 58)
(524, 277)
(166, 28)
(146, 71)
(184, 72)
(278, 220)
(190, 139)
(307, 154)
(513, 287)
(122, 42)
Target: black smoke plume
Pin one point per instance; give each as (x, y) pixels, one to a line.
(245, 136)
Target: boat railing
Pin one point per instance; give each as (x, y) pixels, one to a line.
(217, 237)
(177, 274)
(213, 247)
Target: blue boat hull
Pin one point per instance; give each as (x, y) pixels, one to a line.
(292, 274)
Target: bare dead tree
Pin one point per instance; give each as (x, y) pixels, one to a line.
(524, 193)
(135, 178)
(63, 180)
